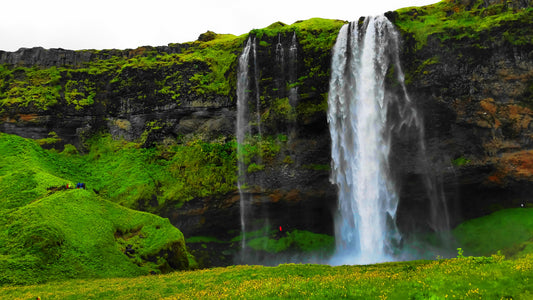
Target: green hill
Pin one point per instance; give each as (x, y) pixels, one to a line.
(49, 232)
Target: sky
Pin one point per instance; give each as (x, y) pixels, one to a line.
(122, 24)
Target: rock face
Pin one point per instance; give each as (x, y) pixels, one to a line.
(473, 87)
(475, 94)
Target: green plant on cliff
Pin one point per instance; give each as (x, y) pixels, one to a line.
(257, 150)
(219, 53)
(149, 178)
(79, 93)
(29, 87)
(454, 20)
(314, 35)
(295, 240)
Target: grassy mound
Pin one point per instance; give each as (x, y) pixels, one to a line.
(509, 231)
(49, 232)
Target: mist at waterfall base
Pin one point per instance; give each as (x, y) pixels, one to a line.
(369, 111)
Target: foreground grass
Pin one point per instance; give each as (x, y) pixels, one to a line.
(461, 278)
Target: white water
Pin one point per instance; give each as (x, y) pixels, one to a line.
(248, 124)
(365, 230)
(243, 129)
(293, 60)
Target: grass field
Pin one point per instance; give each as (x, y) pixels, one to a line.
(459, 278)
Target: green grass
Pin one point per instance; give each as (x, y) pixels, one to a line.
(51, 233)
(509, 231)
(451, 20)
(296, 241)
(76, 234)
(462, 278)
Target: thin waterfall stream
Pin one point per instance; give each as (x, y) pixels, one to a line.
(249, 130)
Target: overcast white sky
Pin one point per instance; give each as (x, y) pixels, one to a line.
(121, 24)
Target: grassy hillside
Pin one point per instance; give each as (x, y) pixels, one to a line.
(509, 231)
(119, 171)
(461, 278)
(49, 232)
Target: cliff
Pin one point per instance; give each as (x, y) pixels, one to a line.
(468, 68)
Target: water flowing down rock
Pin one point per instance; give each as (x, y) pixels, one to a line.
(363, 118)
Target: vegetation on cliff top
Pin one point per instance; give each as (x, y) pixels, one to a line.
(203, 68)
(465, 19)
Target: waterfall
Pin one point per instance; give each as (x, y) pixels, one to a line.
(280, 68)
(358, 109)
(257, 95)
(248, 128)
(293, 61)
(243, 129)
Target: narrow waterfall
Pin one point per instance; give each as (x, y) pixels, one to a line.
(358, 108)
(280, 61)
(243, 129)
(293, 62)
(248, 127)
(257, 95)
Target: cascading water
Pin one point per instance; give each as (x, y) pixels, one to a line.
(248, 127)
(280, 62)
(255, 218)
(361, 131)
(257, 96)
(293, 60)
(243, 129)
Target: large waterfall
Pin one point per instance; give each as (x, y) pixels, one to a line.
(365, 56)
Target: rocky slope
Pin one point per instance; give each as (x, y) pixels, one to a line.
(468, 67)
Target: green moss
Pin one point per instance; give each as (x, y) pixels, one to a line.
(309, 109)
(296, 240)
(51, 232)
(507, 230)
(120, 171)
(171, 174)
(452, 20)
(50, 140)
(260, 149)
(460, 161)
(315, 34)
(72, 234)
(203, 239)
(29, 86)
(253, 167)
(288, 160)
(220, 54)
